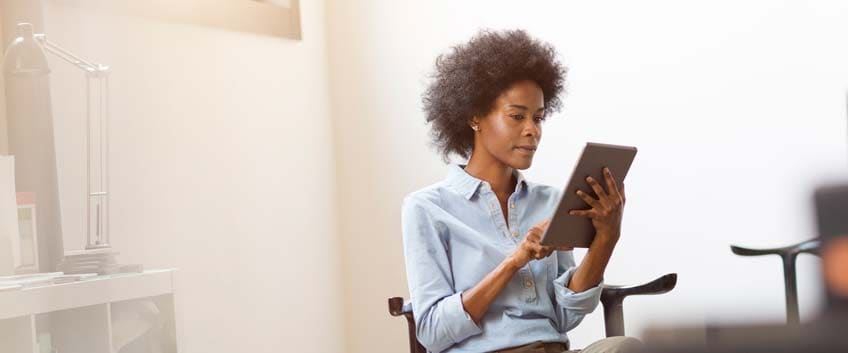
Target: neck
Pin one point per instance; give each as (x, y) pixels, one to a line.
(498, 175)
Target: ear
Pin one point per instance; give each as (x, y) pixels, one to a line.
(474, 121)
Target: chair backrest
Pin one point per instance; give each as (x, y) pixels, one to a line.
(612, 298)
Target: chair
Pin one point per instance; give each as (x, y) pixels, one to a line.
(612, 298)
(788, 255)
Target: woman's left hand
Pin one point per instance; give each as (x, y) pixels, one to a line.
(606, 211)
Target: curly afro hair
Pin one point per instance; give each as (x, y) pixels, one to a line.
(469, 78)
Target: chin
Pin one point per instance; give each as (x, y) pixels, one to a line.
(521, 164)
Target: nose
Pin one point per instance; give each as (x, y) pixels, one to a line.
(531, 128)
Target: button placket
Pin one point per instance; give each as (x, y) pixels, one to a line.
(495, 210)
(528, 284)
(513, 223)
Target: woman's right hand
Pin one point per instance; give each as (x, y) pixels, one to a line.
(530, 249)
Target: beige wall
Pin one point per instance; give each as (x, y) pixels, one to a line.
(28, 112)
(222, 166)
(4, 137)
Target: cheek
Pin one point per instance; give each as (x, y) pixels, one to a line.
(500, 137)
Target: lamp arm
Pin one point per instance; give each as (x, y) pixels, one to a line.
(66, 55)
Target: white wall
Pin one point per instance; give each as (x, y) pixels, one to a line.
(738, 109)
(222, 165)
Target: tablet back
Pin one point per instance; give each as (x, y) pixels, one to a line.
(568, 230)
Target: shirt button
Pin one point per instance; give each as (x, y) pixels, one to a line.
(528, 283)
(515, 234)
(512, 205)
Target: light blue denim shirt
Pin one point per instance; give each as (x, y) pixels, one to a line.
(454, 234)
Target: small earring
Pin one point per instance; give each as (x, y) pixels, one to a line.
(475, 128)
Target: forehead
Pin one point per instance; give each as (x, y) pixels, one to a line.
(523, 93)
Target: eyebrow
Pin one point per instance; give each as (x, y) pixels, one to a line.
(523, 107)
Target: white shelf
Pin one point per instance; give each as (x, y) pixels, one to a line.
(78, 315)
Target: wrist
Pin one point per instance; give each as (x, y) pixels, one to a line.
(606, 238)
(513, 263)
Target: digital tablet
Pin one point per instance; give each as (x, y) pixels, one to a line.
(576, 231)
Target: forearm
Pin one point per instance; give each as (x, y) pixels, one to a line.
(477, 299)
(591, 269)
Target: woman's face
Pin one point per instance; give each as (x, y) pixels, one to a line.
(511, 132)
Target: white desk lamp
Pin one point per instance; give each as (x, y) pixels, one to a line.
(25, 57)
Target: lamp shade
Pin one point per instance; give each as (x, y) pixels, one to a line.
(25, 56)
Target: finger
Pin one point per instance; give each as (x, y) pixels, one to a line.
(591, 201)
(536, 251)
(541, 225)
(583, 213)
(544, 252)
(623, 196)
(611, 186)
(599, 190)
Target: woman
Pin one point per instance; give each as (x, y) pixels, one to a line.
(478, 278)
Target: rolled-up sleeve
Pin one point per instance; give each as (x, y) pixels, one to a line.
(440, 318)
(571, 306)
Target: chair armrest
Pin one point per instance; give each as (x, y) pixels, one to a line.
(810, 246)
(612, 297)
(658, 286)
(399, 306)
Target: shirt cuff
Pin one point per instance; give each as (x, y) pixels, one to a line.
(581, 303)
(458, 321)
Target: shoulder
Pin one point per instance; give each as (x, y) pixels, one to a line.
(424, 198)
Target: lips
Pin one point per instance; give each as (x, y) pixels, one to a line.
(527, 148)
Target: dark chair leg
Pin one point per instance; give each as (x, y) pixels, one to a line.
(614, 317)
(791, 285)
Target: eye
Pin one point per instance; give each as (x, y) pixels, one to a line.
(517, 116)
(540, 118)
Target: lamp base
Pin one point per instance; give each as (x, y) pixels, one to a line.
(97, 246)
(101, 261)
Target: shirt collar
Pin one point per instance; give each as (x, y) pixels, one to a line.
(467, 185)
